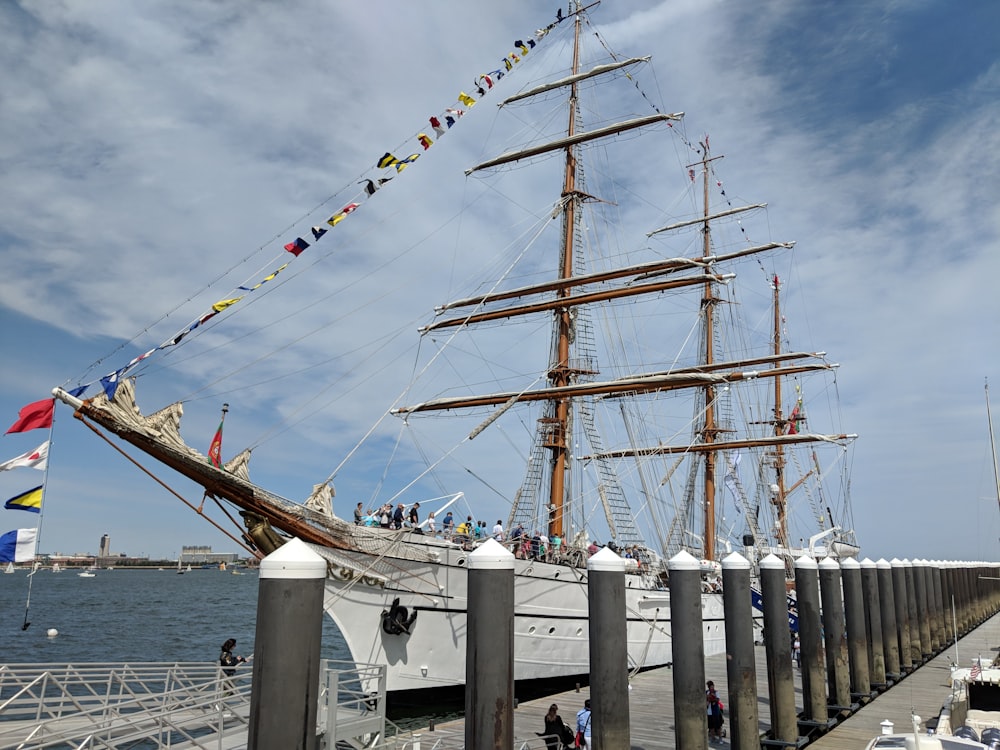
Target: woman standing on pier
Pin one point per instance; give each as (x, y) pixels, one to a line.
(714, 710)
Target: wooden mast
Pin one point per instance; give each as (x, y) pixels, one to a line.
(708, 301)
(559, 371)
(778, 497)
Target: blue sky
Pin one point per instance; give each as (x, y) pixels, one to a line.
(148, 149)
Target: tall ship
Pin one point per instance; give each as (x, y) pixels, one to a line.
(603, 388)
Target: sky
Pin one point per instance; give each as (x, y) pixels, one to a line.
(153, 154)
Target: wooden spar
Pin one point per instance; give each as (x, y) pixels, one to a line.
(722, 445)
(595, 71)
(638, 272)
(565, 302)
(574, 138)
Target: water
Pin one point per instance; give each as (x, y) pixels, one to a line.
(133, 615)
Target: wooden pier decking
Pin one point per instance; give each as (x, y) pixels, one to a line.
(651, 702)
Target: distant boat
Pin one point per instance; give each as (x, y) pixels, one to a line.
(56, 568)
(180, 570)
(88, 573)
(222, 565)
(9, 568)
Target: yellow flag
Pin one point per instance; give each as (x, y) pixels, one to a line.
(467, 100)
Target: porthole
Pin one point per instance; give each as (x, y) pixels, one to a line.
(551, 631)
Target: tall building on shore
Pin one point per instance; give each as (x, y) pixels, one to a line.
(105, 547)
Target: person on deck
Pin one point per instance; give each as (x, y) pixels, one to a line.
(498, 531)
(358, 515)
(414, 515)
(448, 525)
(431, 529)
(397, 517)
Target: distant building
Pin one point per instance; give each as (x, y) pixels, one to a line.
(198, 554)
(104, 550)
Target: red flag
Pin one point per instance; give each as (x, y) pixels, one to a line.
(215, 449)
(33, 416)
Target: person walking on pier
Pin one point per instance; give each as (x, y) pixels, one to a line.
(557, 735)
(583, 717)
(713, 706)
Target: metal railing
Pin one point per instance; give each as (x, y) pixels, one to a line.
(172, 705)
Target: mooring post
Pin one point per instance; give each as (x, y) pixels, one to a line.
(873, 624)
(688, 673)
(834, 636)
(890, 639)
(854, 615)
(923, 612)
(777, 645)
(608, 650)
(489, 648)
(937, 576)
(913, 614)
(902, 614)
(741, 668)
(813, 670)
(285, 693)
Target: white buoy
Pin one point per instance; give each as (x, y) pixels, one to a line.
(52, 632)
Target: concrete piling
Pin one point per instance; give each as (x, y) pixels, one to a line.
(890, 640)
(854, 615)
(690, 720)
(873, 624)
(781, 687)
(834, 637)
(608, 650)
(489, 648)
(810, 639)
(912, 613)
(902, 614)
(286, 670)
(923, 608)
(741, 669)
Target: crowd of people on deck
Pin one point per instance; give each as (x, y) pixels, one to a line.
(525, 546)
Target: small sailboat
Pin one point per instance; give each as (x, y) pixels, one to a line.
(10, 568)
(180, 568)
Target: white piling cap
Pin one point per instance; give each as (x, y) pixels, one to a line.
(735, 561)
(605, 559)
(850, 563)
(491, 555)
(828, 563)
(806, 563)
(868, 563)
(293, 559)
(683, 560)
(772, 562)
(883, 564)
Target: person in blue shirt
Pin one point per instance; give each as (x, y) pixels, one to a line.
(583, 723)
(448, 525)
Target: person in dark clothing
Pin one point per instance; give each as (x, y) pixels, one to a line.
(397, 517)
(557, 735)
(227, 660)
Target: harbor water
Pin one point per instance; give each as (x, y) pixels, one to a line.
(133, 615)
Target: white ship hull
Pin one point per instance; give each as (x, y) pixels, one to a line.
(550, 618)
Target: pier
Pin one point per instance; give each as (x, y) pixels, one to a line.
(651, 695)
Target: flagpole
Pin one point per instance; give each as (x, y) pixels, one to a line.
(38, 532)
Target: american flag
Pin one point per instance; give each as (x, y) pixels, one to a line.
(976, 670)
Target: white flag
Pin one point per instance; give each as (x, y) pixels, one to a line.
(36, 459)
